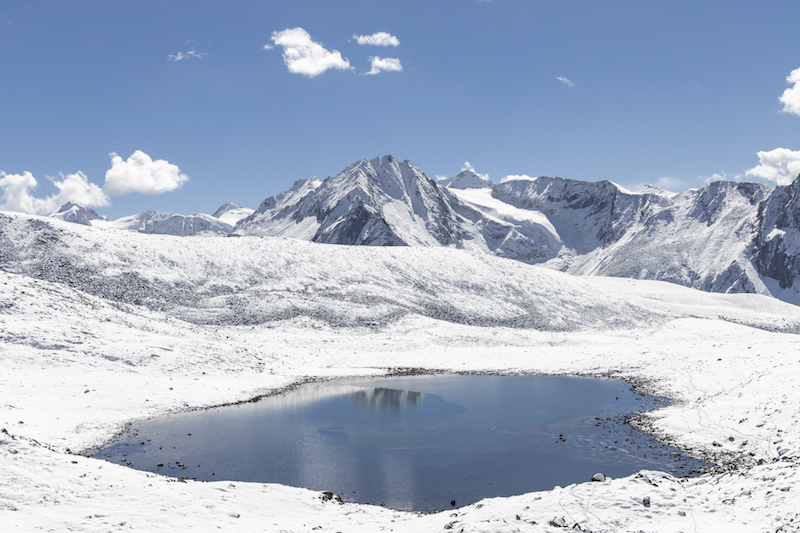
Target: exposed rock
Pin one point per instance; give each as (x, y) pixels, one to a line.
(329, 496)
(776, 248)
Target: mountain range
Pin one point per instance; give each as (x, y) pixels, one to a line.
(724, 237)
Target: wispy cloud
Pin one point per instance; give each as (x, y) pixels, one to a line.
(791, 96)
(780, 165)
(188, 55)
(304, 56)
(381, 38)
(384, 64)
(140, 174)
(565, 81)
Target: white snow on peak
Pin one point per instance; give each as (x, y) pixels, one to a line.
(381, 201)
(466, 179)
(231, 213)
(77, 213)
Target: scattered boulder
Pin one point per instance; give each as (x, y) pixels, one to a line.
(646, 501)
(328, 496)
(558, 522)
(598, 477)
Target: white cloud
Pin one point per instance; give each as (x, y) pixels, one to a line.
(780, 165)
(304, 56)
(268, 47)
(188, 55)
(381, 38)
(16, 189)
(140, 174)
(76, 188)
(565, 81)
(16, 195)
(791, 97)
(384, 64)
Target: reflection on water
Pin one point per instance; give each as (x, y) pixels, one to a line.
(410, 443)
(382, 398)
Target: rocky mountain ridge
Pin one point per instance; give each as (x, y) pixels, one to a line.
(723, 237)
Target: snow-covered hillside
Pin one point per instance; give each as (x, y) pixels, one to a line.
(101, 327)
(253, 280)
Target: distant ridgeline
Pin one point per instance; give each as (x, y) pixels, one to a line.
(724, 237)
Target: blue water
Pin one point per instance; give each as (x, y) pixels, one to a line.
(411, 443)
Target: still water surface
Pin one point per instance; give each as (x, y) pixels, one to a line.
(411, 443)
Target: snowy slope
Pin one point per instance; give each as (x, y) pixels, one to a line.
(100, 327)
(699, 241)
(251, 280)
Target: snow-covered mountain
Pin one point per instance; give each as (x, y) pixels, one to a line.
(231, 213)
(723, 237)
(77, 213)
(699, 239)
(156, 222)
(380, 202)
(466, 179)
(170, 224)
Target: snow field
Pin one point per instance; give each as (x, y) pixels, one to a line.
(76, 367)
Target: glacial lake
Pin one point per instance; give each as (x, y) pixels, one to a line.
(416, 443)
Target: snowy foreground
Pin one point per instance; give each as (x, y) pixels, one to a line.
(76, 366)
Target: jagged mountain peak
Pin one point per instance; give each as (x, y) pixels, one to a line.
(380, 201)
(77, 213)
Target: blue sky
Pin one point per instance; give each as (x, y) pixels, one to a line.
(664, 92)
